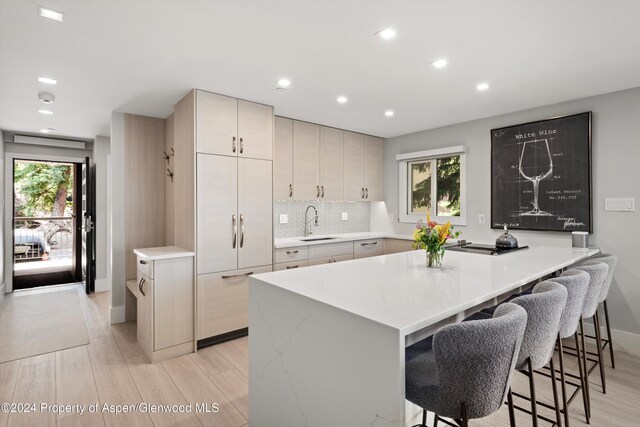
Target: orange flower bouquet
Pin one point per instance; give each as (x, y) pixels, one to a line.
(432, 237)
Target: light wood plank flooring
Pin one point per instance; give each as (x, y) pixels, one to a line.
(112, 369)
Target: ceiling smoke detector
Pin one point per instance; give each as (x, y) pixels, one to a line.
(46, 97)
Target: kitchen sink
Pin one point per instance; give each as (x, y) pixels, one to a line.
(316, 239)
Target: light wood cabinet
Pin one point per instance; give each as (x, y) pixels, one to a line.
(353, 166)
(291, 265)
(374, 168)
(330, 259)
(393, 246)
(164, 305)
(368, 248)
(331, 164)
(217, 213)
(283, 159)
(234, 215)
(223, 300)
(231, 127)
(306, 165)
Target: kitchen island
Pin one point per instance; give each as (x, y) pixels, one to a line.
(327, 343)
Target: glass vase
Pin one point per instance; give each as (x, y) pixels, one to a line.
(434, 258)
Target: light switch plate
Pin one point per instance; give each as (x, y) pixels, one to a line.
(284, 219)
(620, 204)
(482, 218)
(345, 216)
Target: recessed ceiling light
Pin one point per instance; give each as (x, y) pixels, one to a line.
(47, 81)
(387, 33)
(45, 112)
(47, 130)
(389, 113)
(50, 14)
(440, 63)
(283, 83)
(342, 99)
(482, 86)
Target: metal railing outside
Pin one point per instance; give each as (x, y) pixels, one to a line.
(42, 238)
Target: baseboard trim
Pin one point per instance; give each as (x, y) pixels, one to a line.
(116, 314)
(622, 341)
(2, 288)
(103, 285)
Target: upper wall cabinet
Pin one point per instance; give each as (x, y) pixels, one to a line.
(232, 127)
(283, 159)
(306, 165)
(331, 164)
(363, 167)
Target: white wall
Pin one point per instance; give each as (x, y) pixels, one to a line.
(101, 150)
(616, 173)
(2, 224)
(117, 219)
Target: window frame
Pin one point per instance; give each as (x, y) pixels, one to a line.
(404, 184)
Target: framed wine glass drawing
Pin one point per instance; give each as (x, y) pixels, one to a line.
(541, 175)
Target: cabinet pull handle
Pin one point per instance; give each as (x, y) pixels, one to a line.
(362, 193)
(290, 190)
(235, 231)
(234, 144)
(292, 252)
(241, 146)
(143, 261)
(140, 287)
(317, 191)
(322, 191)
(241, 228)
(367, 193)
(231, 276)
(368, 243)
(290, 267)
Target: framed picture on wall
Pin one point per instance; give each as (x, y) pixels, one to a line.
(541, 175)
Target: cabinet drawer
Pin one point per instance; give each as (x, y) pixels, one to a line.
(223, 300)
(291, 254)
(330, 259)
(291, 265)
(145, 266)
(392, 246)
(367, 248)
(331, 249)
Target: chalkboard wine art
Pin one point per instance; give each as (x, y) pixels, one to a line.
(541, 175)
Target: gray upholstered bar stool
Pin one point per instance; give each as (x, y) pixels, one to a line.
(597, 275)
(466, 370)
(576, 283)
(544, 307)
(612, 262)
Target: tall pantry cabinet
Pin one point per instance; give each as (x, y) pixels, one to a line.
(228, 143)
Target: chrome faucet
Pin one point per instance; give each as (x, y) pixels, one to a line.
(307, 222)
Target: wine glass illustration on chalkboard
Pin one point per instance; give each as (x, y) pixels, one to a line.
(535, 165)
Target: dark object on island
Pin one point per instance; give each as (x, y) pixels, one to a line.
(506, 240)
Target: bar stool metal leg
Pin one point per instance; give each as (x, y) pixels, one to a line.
(584, 365)
(585, 397)
(606, 320)
(532, 390)
(512, 415)
(563, 384)
(555, 392)
(598, 340)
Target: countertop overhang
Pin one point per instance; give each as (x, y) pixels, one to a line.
(292, 242)
(163, 252)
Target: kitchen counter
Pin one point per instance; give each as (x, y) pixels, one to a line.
(292, 242)
(163, 252)
(324, 334)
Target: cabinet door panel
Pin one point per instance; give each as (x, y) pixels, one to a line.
(216, 123)
(144, 313)
(331, 164)
(283, 159)
(306, 165)
(255, 213)
(353, 166)
(173, 302)
(367, 248)
(223, 301)
(255, 130)
(216, 208)
(374, 168)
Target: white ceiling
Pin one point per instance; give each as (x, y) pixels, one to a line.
(142, 56)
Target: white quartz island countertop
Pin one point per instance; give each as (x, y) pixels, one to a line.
(292, 242)
(328, 342)
(163, 252)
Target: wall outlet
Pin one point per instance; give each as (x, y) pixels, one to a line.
(284, 219)
(620, 204)
(345, 216)
(482, 218)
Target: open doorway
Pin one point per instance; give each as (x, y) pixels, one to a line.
(46, 229)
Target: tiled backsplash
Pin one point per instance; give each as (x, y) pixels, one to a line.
(329, 218)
